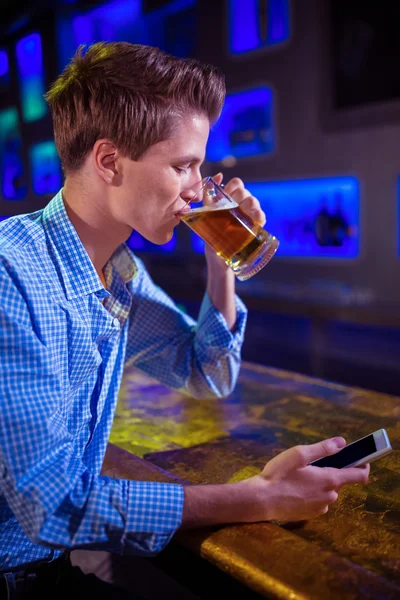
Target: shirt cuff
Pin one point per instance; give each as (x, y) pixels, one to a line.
(154, 514)
(213, 328)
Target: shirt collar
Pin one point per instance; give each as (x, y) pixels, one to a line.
(75, 267)
(124, 264)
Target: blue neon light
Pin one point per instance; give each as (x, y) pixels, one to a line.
(197, 243)
(104, 22)
(11, 164)
(314, 217)
(31, 76)
(3, 63)
(310, 217)
(123, 20)
(257, 23)
(279, 19)
(172, 28)
(246, 126)
(83, 30)
(137, 243)
(45, 168)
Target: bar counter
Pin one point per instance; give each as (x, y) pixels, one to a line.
(351, 553)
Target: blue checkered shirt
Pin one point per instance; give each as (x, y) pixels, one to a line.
(64, 341)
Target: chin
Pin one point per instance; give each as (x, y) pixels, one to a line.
(160, 237)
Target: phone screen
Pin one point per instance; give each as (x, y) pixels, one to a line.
(349, 454)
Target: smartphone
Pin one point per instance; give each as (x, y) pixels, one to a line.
(358, 453)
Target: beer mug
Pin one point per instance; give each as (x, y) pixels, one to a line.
(214, 216)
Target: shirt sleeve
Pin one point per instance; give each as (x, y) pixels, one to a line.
(200, 358)
(57, 501)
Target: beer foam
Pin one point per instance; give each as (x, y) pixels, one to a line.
(210, 208)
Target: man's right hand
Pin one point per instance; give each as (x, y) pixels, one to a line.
(287, 489)
(290, 489)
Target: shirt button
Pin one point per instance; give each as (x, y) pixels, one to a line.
(116, 323)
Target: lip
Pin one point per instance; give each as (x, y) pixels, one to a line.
(185, 209)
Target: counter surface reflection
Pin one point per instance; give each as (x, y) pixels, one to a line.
(353, 552)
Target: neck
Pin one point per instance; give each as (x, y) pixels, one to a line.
(97, 230)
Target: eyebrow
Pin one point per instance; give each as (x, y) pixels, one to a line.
(190, 158)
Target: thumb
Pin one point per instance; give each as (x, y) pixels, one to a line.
(299, 457)
(322, 449)
(218, 178)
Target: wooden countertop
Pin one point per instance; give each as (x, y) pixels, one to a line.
(351, 553)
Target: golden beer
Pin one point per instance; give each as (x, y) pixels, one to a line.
(245, 246)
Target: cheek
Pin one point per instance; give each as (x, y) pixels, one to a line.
(148, 198)
(165, 193)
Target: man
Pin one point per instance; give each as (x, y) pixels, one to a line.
(131, 126)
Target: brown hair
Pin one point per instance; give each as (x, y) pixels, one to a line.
(130, 94)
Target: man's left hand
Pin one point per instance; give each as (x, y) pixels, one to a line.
(247, 203)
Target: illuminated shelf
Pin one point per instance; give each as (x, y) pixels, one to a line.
(4, 70)
(11, 164)
(310, 217)
(246, 126)
(125, 20)
(31, 77)
(3, 63)
(255, 24)
(45, 168)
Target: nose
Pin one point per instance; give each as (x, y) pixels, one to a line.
(192, 192)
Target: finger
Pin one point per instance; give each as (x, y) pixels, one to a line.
(218, 178)
(332, 496)
(251, 206)
(338, 478)
(234, 185)
(351, 475)
(306, 454)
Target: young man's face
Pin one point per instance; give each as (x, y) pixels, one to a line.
(156, 187)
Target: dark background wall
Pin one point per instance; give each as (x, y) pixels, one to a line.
(315, 141)
(332, 318)
(311, 326)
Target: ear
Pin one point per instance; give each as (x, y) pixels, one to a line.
(105, 155)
